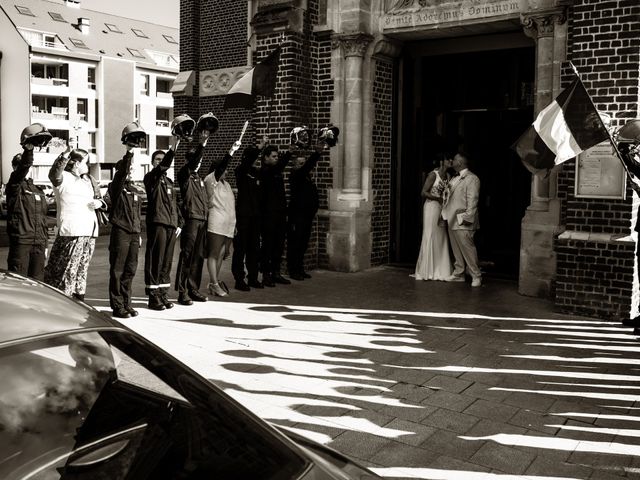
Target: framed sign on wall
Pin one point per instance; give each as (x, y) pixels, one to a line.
(600, 174)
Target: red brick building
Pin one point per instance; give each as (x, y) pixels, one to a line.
(402, 78)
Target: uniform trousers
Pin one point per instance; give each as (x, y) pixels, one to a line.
(26, 258)
(298, 236)
(465, 253)
(191, 260)
(274, 230)
(246, 248)
(123, 261)
(158, 258)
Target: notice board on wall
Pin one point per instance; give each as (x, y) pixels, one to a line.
(600, 174)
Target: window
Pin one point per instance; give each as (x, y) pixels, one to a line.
(163, 117)
(139, 33)
(78, 43)
(136, 114)
(83, 108)
(170, 39)
(162, 142)
(50, 74)
(92, 142)
(135, 53)
(57, 17)
(25, 11)
(113, 28)
(91, 78)
(163, 85)
(49, 108)
(143, 82)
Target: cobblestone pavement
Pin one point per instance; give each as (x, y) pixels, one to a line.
(416, 379)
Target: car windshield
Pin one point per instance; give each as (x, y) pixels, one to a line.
(106, 404)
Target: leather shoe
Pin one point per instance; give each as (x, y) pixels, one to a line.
(454, 278)
(224, 286)
(242, 286)
(155, 303)
(183, 299)
(132, 312)
(196, 296)
(255, 284)
(281, 280)
(631, 322)
(306, 275)
(121, 313)
(165, 301)
(297, 276)
(267, 281)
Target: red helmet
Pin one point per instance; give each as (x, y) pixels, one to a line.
(36, 135)
(208, 122)
(133, 133)
(182, 126)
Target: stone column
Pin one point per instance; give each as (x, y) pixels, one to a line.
(349, 237)
(542, 219)
(353, 47)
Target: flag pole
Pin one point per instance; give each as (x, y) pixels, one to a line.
(611, 140)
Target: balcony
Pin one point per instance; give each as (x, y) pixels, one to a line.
(56, 113)
(162, 123)
(55, 82)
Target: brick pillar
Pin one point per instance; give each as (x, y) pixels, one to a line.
(541, 223)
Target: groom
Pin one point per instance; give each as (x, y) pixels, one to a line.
(460, 210)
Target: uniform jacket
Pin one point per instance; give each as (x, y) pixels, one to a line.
(162, 201)
(26, 205)
(274, 197)
(192, 190)
(124, 202)
(248, 183)
(303, 193)
(460, 209)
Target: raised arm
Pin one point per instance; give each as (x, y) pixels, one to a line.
(57, 169)
(120, 177)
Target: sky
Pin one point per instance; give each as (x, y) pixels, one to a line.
(162, 12)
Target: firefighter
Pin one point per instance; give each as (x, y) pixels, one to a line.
(194, 210)
(27, 209)
(164, 221)
(124, 216)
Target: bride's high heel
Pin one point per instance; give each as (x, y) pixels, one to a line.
(216, 289)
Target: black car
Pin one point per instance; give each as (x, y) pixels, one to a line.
(84, 397)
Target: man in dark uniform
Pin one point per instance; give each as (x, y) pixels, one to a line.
(303, 206)
(246, 243)
(274, 214)
(27, 209)
(124, 242)
(163, 226)
(194, 211)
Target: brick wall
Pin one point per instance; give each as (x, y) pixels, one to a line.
(595, 277)
(381, 173)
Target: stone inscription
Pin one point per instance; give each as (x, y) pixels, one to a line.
(449, 12)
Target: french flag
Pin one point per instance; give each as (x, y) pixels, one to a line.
(260, 80)
(568, 126)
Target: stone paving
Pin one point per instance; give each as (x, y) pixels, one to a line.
(417, 379)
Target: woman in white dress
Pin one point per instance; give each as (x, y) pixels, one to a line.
(434, 261)
(221, 223)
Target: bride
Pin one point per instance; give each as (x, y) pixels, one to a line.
(434, 261)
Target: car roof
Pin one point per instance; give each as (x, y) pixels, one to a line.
(30, 308)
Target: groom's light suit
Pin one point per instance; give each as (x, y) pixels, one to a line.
(460, 210)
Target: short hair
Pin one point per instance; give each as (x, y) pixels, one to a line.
(268, 150)
(15, 161)
(464, 155)
(157, 152)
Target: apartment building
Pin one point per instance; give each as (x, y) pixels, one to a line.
(84, 75)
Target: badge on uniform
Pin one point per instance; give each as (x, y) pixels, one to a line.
(135, 197)
(37, 197)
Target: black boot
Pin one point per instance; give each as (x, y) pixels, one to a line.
(155, 302)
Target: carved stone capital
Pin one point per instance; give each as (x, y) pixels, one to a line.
(218, 82)
(352, 44)
(542, 23)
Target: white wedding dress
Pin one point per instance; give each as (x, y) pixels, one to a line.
(434, 261)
